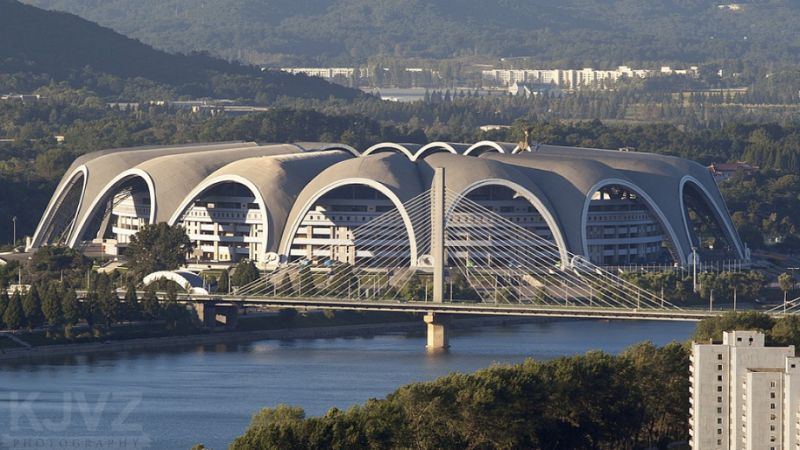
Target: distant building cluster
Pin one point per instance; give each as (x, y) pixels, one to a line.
(411, 76)
(574, 78)
(744, 395)
(210, 106)
(24, 98)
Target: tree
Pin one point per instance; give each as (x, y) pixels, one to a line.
(90, 308)
(305, 281)
(13, 316)
(71, 310)
(244, 273)
(223, 283)
(51, 306)
(158, 247)
(108, 302)
(4, 300)
(151, 307)
(172, 311)
(132, 306)
(32, 308)
(785, 282)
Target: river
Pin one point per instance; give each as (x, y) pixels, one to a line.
(173, 399)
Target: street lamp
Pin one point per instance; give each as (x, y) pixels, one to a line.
(14, 241)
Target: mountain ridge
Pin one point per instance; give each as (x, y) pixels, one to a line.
(576, 32)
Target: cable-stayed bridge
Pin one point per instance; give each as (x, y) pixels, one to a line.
(450, 255)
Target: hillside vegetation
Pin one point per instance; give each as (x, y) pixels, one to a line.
(574, 32)
(63, 47)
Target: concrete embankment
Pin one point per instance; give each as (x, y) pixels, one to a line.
(322, 332)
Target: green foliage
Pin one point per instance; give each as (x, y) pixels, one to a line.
(304, 281)
(32, 308)
(13, 316)
(108, 302)
(4, 300)
(51, 305)
(709, 329)
(158, 247)
(595, 401)
(578, 33)
(90, 308)
(244, 273)
(223, 283)
(71, 310)
(133, 309)
(151, 307)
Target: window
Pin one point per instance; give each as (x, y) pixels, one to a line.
(719, 367)
(719, 430)
(719, 389)
(719, 410)
(719, 377)
(719, 357)
(772, 406)
(719, 399)
(771, 395)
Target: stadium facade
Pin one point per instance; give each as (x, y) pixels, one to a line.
(284, 202)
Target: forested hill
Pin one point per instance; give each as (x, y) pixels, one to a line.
(576, 32)
(64, 46)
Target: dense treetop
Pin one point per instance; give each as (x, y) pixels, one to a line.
(575, 32)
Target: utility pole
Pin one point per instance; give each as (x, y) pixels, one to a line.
(694, 269)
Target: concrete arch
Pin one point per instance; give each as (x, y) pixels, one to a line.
(189, 281)
(108, 189)
(55, 205)
(390, 146)
(291, 231)
(210, 183)
(325, 146)
(484, 146)
(649, 202)
(721, 216)
(433, 147)
(534, 200)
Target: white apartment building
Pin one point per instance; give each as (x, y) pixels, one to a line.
(744, 395)
(575, 78)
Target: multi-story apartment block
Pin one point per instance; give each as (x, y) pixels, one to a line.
(744, 395)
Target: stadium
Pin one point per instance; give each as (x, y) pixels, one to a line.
(288, 202)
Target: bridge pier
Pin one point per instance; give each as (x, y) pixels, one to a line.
(437, 333)
(208, 314)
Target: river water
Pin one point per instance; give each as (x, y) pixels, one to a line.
(173, 399)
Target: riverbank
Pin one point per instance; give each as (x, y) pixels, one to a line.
(223, 337)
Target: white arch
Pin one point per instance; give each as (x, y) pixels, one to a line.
(342, 147)
(208, 183)
(306, 147)
(493, 146)
(130, 173)
(665, 224)
(189, 281)
(57, 198)
(733, 236)
(546, 214)
(389, 145)
(434, 146)
(412, 241)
